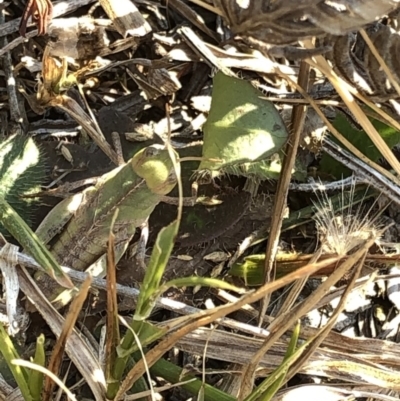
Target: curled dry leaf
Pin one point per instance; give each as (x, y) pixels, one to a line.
(353, 60)
(41, 12)
(8, 260)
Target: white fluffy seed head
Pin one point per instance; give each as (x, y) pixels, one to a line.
(346, 229)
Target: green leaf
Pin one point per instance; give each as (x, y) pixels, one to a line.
(361, 141)
(241, 127)
(155, 270)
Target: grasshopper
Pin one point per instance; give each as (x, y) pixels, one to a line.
(85, 219)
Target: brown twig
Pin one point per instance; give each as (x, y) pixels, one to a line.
(298, 117)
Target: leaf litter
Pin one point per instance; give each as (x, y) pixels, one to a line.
(128, 73)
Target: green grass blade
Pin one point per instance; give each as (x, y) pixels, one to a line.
(361, 141)
(151, 283)
(36, 377)
(146, 332)
(17, 227)
(193, 281)
(268, 388)
(155, 270)
(173, 374)
(20, 374)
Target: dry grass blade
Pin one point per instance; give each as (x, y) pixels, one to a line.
(112, 336)
(285, 321)
(77, 349)
(298, 118)
(335, 346)
(208, 7)
(199, 47)
(361, 373)
(76, 112)
(356, 110)
(357, 355)
(190, 15)
(363, 171)
(319, 338)
(297, 287)
(373, 166)
(17, 111)
(68, 326)
(8, 262)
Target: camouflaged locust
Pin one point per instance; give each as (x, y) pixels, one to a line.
(84, 220)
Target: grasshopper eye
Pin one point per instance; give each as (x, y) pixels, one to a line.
(153, 150)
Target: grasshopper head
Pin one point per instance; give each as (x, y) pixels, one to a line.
(155, 166)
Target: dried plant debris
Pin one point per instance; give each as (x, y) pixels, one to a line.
(353, 59)
(284, 22)
(77, 39)
(126, 17)
(343, 221)
(41, 12)
(215, 79)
